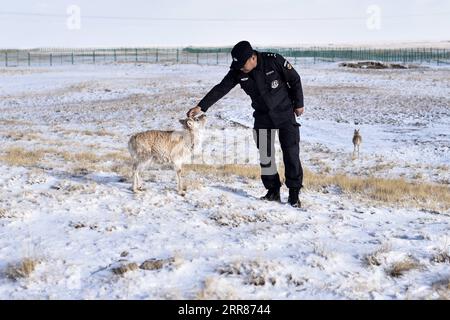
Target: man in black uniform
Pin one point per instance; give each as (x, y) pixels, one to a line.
(277, 96)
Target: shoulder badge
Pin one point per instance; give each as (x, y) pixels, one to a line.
(287, 65)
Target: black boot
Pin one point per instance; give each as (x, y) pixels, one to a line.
(293, 197)
(273, 194)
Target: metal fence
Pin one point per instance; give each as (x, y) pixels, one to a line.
(218, 56)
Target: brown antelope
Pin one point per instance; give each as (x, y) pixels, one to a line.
(174, 147)
(357, 139)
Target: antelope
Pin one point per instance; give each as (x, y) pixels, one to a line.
(173, 147)
(357, 139)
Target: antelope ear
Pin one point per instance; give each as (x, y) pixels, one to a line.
(182, 121)
(202, 117)
(190, 123)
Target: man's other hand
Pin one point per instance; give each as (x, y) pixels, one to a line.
(193, 112)
(299, 111)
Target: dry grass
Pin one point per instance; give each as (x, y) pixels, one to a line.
(80, 161)
(156, 264)
(248, 171)
(122, 169)
(399, 268)
(22, 135)
(10, 122)
(117, 155)
(398, 190)
(22, 269)
(375, 258)
(234, 218)
(17, 156)
(441, 257)
(14, 135)
(101, 132)
(124, 268)
(253, 272)
(82, 157)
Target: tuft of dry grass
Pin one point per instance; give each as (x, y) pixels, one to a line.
(399, 268)
(234, 218)
(156, 264)
(124, 268)
(16, 156)
(3, 213)
(441, 257)
(375, 258)
(22, 269)
(254, 272)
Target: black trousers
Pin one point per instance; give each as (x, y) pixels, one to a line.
(289, 137)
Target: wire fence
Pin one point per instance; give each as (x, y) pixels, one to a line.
(217, 56)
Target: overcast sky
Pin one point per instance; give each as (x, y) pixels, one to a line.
(34, 23)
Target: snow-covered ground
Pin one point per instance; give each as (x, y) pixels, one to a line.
(68, 204)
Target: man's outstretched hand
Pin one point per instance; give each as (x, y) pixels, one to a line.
(299, 111)
(193, 112)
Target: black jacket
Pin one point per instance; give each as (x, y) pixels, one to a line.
(274, 87)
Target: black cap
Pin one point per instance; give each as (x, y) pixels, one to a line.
(240, 53)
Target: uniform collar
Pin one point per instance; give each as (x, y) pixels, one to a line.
(260, 65)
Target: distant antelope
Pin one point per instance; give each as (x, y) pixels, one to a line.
(357, 139)
(174, 147)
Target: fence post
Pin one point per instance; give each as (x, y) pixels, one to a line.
(178, 55)
(72, 58)
(115, 55)
(51, 59)
(6, 58)
(156, 55)
(93, 56)
(197, 56)
(136, 53)
(29, 59)
(217, 57)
